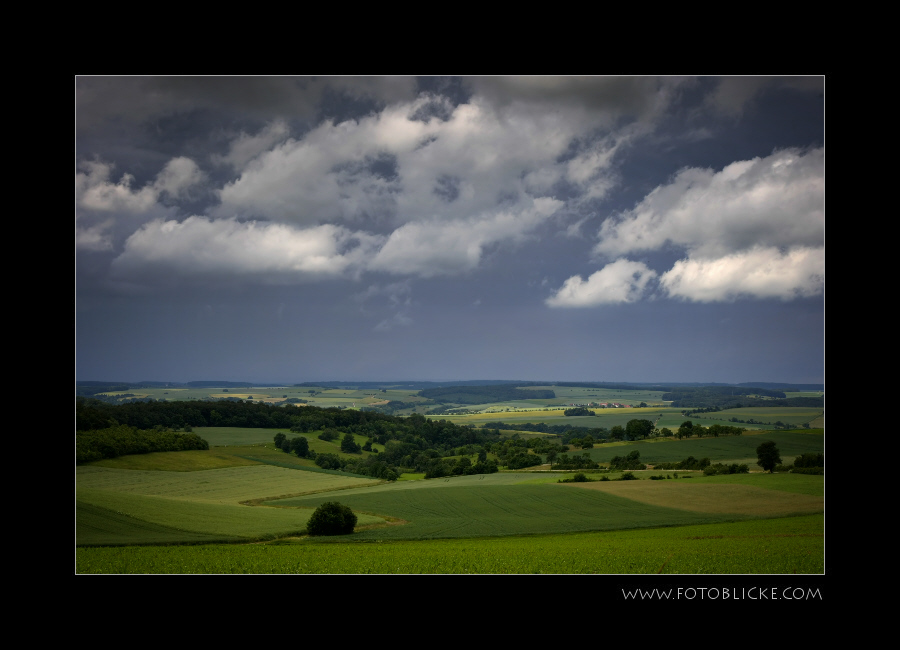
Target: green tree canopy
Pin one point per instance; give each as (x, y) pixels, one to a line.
(768, 456)
(300, 446)
(331, 518)
(349, 445)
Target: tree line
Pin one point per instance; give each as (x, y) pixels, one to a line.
(122, 440)
(728, 397)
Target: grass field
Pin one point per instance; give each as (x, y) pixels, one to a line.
(765, 418)
(321, 397)
(791, 545)
(534, 411)
(729, 449)
(522, 503)
(246, 490)
(114, 506)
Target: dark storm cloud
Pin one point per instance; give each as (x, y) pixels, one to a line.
(560, 200)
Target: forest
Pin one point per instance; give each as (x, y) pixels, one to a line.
(729, 397)
(412, 442)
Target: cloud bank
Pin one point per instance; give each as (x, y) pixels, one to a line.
(754, 229)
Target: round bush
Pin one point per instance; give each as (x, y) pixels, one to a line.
(331, 518)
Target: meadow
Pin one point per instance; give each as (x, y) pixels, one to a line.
(730, 449)
(791, 545)
(242, 506)
(423, 526)
(316, 396)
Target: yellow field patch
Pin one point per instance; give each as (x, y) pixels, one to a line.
(716, 499)
(538, 413)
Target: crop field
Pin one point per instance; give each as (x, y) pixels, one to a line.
(698, 496)
(518, 503)
(791, 545)
(195, 502)
(662, 417)
(604, 417)
(230, 485)
(727, 449)
(242, 506)
(229, 437)
(610, 417)
(208, 501)
(583, 394)
(179, 461)
(791, 415)
(532, 411)
(322, 397)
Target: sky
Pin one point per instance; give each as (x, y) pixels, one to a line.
(551, 228)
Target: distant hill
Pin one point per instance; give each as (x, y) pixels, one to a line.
(88, 388)
(483, 394)
(784, 387)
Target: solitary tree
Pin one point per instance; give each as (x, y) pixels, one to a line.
(331, 518)
(768, 456)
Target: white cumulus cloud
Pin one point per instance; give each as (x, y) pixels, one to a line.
(759, 272)
(230, 248)
(618, 282)
(96, 192)
(774, 201)
(754, 229)
(449, 247)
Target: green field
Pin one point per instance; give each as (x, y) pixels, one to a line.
(518, 504)
(765, 418)
(730, 449)
(199, 511)
(792, 545)
(418, 526)
(532, 411)
(321, 397)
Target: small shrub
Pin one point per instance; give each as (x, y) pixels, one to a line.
(331, 518)
(809, 460)
(328, 435)
(628, 476)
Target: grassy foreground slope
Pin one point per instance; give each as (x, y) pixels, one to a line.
(791, 545)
